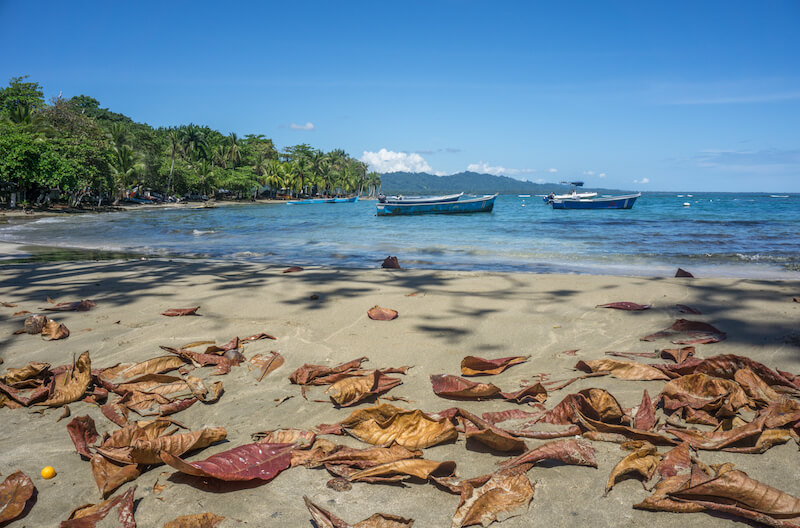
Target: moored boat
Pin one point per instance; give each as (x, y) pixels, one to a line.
(483, 204)
(419, 199)
(574, 194)
(322, 201)
(625, 201)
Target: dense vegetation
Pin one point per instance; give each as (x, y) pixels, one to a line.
(469, 182)
(76, 151)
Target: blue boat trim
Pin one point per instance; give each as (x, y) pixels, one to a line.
(609, 202)
(352, 199)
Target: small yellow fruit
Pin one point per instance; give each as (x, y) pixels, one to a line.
(48, 472)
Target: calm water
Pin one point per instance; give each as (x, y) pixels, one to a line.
(723, 235)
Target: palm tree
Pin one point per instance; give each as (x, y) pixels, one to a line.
(194, 142)
(234, 152)
(374, 183)
(174, 148)
(20, 115)
(260, 165)
(118, 134)
(123, 168)
(219, 157)
(318, 164)
(205, 171)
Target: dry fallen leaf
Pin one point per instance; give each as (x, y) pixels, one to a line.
(198, 520)
(504, 493)
(109, 476)
(246, 462)
(52, 331)
(448, 386)
(350, 391)
(147, 451)
(384, 424)
(71, 384)
(419, 468)
(391, 263)
(675, 461)
(627, 370)
(177, 312)
(77, 306)
(89, 515)
(309, 374)
(476, 366)
(325, 519)
(292, 269)
(82, 432)
(624, 305)
(376, 313)
(685, 332)
(641, 462)
(645, 417)
(15, 491)
(572, 452)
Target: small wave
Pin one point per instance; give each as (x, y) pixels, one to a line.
(246, 254)
(198, 232)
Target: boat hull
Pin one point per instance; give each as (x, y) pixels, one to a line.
(612, 202)
(475, 205)
(422, 199)
(352, 199)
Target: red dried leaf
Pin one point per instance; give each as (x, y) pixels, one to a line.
(676, 460)
(178, 312)
(625, 305)
(15, 491)
(89, 515)
(476, 366)
(707, 393)
(572, 452)
(247, 462)
(293, 269)
(645, 417)
(448, 386)
(82, 432)
(683, 273)
(390, 262)
(682, 308)
(77, 306)
(726, 366)
(376, 313)
(511, 414)
(531, 394)
(309, 374)
(685, 332)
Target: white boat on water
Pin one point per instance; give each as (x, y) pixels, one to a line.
(419, 199)
(574, 195)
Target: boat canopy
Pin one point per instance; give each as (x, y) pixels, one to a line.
(575, 183)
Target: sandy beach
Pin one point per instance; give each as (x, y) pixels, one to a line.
(319, 316)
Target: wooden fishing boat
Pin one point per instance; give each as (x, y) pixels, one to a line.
(604, 202)
(419, 199)
(483, 204)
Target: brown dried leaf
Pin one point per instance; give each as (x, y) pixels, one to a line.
(30, 371)
(146, 451)
(707, 393)
(178, 312)
(384, 424)
(530, 394)
(21, 312)
(476, 366)
(641, 462)
(504, 493)
(755, 387)
(350, 391)
(418, 468)
(82, 431)
(735, 492)
(246, 462)
(678, 355)
(390, 262)
(480, 430)
(448, 386)
(52, 331)
(292, 269)
(71, 384)
(89, 515)
(713, 440)
(307, 374)
(125, 372)
(376, 313)
(628, 432)
(726, 366)
(325, 519)
(358, 458)
(627, 370)
(632, 355)
(661, 501)
(572, 452)
(198, 520)
(625, 305)
(15, 491)
(685, 332)
(109, 476)
(266, 364)
(299, 437)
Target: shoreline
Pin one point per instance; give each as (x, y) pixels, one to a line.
(319, 317)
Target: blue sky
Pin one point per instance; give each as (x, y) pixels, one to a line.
(635, 95)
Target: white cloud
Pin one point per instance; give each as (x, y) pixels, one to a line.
(601, 175)
(385, 161)
(589, 173)
(497, 170)
(643, 180)
(308, 126)
(552, 170)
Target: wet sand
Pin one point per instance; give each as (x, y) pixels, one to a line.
(453, 314)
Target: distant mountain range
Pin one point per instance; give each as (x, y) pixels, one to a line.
(468, 182)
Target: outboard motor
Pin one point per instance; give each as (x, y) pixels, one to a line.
(381, 198)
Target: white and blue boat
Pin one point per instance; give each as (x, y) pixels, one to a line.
(308, 201)
(625, 201)
(419, 199)
(573, 194)
(483, 204)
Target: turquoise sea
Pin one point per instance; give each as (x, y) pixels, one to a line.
(719, 235)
